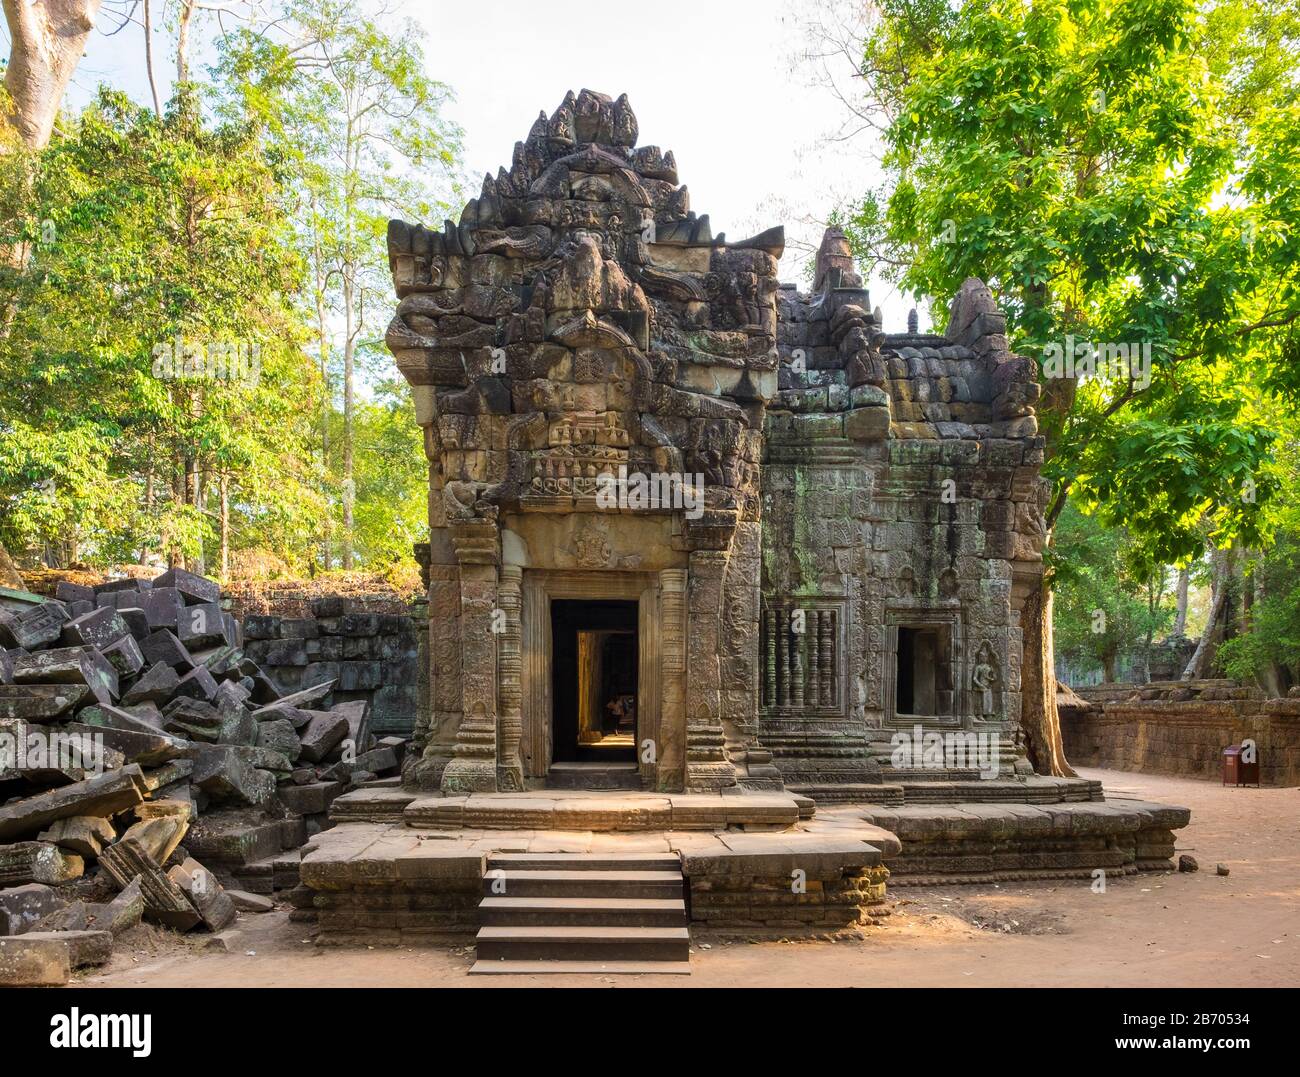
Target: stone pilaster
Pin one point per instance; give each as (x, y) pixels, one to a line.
(707, 765)
(510, 768)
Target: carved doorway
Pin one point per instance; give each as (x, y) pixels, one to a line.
(594, 681)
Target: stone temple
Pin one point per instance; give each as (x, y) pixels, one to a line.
(766, 532)
(724, 589)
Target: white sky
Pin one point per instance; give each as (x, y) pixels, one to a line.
(717, 82)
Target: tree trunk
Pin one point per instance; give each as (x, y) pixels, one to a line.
(9, 574)
(349, 360)
(47, 39)
(1039, 718)
(1221, 573)
(1180, 617)
(148, 59)
(225, 526)
(183, 42)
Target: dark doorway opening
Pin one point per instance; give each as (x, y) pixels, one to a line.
(594, 681)
(923, 677)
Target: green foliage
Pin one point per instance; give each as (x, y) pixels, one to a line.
(1118, 171)
(1109, 600)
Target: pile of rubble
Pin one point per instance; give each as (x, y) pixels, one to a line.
(149, 768)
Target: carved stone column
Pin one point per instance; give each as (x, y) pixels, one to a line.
(671, 747)
(440, 695)
(473, 767)
(707, 766)
(510, 768)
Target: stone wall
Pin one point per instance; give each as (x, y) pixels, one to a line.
(1181, 728)
(373, 656)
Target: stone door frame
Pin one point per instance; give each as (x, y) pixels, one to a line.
(656, 677)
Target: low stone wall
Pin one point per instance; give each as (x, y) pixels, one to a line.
(1181, 728)
(370, 656)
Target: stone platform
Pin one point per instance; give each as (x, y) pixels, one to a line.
(400, 867)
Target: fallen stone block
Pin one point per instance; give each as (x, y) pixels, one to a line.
(69, 665)
(23, 906)
(34, 627)
(125, 657)
(85, 835)
(120, 914)
(164, 901)
(43, 961)
(225, 838)
(126, 583)
(105, 794)
(195, 589)
(162, 607)
(72, 917)
(170, 773)
(279, 736)
(202, 626)
(99, 628)
(205, 893)
(156, 685)
(157, 835)
(73, 592)
(136, 622)
(325, 732)
(38, 862)
(192, 718)
(6, 667)
(224, 773)
(164, 646)
(198, 683)
(311, 799)
(148, 748)
(40, 702)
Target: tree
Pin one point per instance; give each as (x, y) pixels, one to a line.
(1122, 173)
(364, 128)
(154, 356)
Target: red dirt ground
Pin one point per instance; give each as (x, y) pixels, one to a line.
(1185, 930)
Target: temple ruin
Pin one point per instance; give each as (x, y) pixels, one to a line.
(809, 533)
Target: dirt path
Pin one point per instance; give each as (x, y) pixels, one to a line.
(1171, 930)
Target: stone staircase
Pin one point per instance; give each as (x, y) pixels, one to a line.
(583, 913)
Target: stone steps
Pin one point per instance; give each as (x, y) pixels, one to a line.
(596, 776)
(574, 913)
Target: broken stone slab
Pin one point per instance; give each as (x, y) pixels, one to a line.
(325, 732)
(148, 748)
(375, 761)
(69, 665)
(120, 914)
(136, 621)
(126, 583)
(192, 718)
(162, 607)
(164, 901)
(301, 699)
(99, 628)
(277, 712)
(158, 835)
(45, 961)
(235, 837)
(156, 685)
(224, 773)
(205, 893)
(23, 906)
(195, 589)
(170, 773)
(125, 657)
(103, 795)
(34, 627)
(38, 862)
(50, 754)
(85, 835)
(6, 667)
(246, 902)
(40, 702)
(47, 958)
(357, 712)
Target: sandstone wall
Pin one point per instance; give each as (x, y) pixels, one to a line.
(1185, 736)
